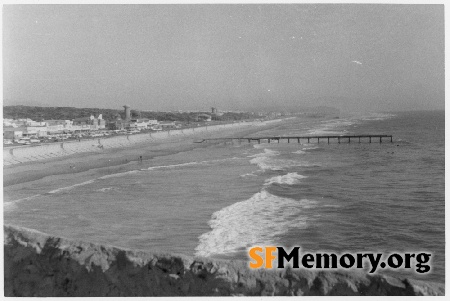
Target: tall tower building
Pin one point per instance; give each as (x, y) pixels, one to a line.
(127, 112)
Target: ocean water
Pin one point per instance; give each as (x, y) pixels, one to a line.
(219, 199)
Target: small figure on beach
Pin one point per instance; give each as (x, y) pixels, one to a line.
(140, 158)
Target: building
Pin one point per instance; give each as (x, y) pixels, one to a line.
(91, 122)
(142, 124)
(40, 130)
(13, 129)
(168, 125)
(13, 132)
(16, 122)
(118, 124)
(127, 112)
(58, 126)
(124, 124)
(203, 117)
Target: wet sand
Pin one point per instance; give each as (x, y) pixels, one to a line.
(25, 179)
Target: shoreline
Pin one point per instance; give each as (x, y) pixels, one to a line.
(23, 154)
(115, 155)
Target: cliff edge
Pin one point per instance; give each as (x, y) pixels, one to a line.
(37, 264)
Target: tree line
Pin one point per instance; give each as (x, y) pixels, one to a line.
(70, 113)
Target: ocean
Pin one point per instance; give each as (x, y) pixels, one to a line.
(218, 199)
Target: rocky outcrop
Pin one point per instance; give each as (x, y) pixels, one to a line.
(37, 264)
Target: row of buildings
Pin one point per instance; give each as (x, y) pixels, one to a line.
(14, 129)
(18, 128)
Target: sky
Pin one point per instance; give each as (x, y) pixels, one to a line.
(353, 57)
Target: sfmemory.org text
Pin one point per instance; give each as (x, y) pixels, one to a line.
(264, 257)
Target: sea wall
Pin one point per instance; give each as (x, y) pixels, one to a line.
(37, 264)
(21, 154)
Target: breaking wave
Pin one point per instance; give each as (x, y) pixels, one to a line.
(287, 179)
(9, 206)
(270, 163)
(189, 164)
(71, 187)
(172, 166)
(260, 220)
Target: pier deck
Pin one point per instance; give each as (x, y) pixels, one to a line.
(345, 138)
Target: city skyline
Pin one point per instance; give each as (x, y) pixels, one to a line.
(235, 57)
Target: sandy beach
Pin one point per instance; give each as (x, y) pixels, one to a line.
(22, 180)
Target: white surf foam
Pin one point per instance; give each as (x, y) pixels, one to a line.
(105, 189)
(265, 161)
(378, 116)
(287, 179)
(259, 220)
(267, 152)
(332, 127)
(327, 131)
(9, 206)
(300, 152)
(310, 147)
(71, 187)
(268, 163)
(189, 164)
(264, 146)
(251, 174)
(120, 174)
(172, 166)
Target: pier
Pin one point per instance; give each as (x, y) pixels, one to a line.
(309, 139)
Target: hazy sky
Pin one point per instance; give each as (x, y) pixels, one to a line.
(170, 57)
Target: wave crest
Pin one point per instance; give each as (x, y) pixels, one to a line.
(259, 220)
(287, 179)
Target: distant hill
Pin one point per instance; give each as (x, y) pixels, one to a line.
(48, 113)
